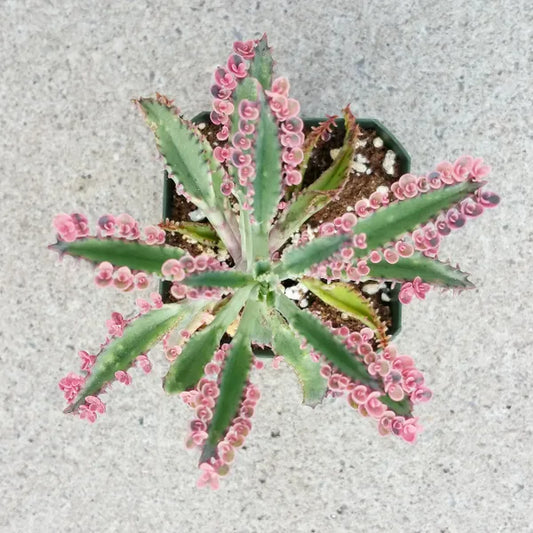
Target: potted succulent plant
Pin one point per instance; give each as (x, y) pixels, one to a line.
(281, 234)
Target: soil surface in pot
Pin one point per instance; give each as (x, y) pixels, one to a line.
(374, 166)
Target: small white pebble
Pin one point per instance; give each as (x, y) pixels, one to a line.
(201, 126)
(304, 303)
(197, 215)
(360, 143)
(371, 288)
(333, 153)
(383, 189)
(296, 292)
(345, 316)
(388, 162)
(360, 158)
(369, 171)
(385, 297)
(223, 255)
(377, 142)
(349, 208)
(359, 167)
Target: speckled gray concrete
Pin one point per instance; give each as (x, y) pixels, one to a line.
(447, 78)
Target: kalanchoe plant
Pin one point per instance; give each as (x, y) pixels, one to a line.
(249, 189)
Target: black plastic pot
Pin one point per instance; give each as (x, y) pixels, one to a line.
(389, 141)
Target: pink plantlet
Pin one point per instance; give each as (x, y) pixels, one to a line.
(222, 93)
(144, 363)
(85, 413)
(246, 49)
(237, 66)
(445, 170)
(487, 198)
(173, 268)
(410, 429)
(65, 227)
(471, 208)
(363, 208)
(479, 169)
(116, 324)
(408, 185)
(87, 361)
(404, 249)
(248, 110)
(420, 288)
(246, 127)
(292, 156)
(123, 377)
(223, 107)
(172, 352)
(375, 256)
(434, 180)
(293, 177)
(276, 361)
(462, 168)
(106, 225)
(373, 406)
(141, 280)
(359, 241)
(104, 274)
(95, 404)
(123, 279)
(127, 226)
(71, 384)
(292, 125)
(223, 134)
(406, 293)
(154, 235)
(455, 219)
(241, 141)
(240, 159)
(208, 478)
(225, 79)
(156, 300)
(391, 255)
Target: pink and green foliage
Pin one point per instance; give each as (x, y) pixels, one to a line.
(250, 189)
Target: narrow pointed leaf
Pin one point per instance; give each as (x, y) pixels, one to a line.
(188, 368)
(262, 63)
(261, 332)
(313, 139)
(323, 341)
(297, 260)
(389, 223)
(287, 345)
(219, 278)
(138, 337)
(267, 156)
(119, 252)
(233, 382)
(191, 161)
(429, 270)
(200, 232)
(183, 149)
(347, 299)
(320, 193)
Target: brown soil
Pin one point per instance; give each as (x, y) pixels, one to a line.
(359, 185)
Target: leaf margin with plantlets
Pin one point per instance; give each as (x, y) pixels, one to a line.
(430, 270)
(118, 355)
(233, 382)
(185, 372)
(99, 249)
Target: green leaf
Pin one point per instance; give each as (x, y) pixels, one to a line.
(219, 278)
(262, 327)
(297, 260)
(347, 299)
(185, 151)
(323, 341)
(118, 252)
(314, 138)
(286, 345)
(389, 223)
(430, 270)
(138, 337)
(401, 408)
(191, 161)
(267, 156)
(188, 368)
(262, 63)
(233, 382)
(201, 232)
(322, 191)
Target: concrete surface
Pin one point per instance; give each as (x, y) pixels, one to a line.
(447, 77)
